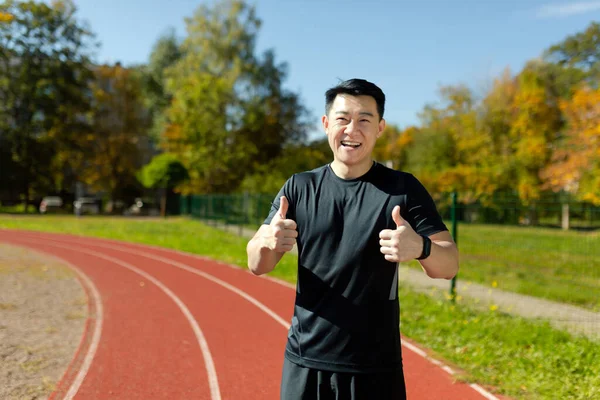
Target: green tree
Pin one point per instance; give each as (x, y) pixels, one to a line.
(44, 72)
(270, 176)
(270, 117)
(579, 57)
(164, 172)
(166, 52)
(118, 144)
(229, 113)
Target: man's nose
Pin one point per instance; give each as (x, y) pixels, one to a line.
(351, 127)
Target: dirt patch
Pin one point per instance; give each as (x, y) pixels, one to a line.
(43, 309)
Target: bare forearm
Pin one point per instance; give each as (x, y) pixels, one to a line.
(261, 259)
(443, 260)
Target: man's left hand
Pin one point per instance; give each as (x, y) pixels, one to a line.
(400, 244)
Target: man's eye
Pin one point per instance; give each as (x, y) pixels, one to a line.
(341, 119)
(364, 120)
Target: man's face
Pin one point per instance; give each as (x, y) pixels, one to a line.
(352, 127)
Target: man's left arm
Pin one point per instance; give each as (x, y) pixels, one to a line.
(442, 262)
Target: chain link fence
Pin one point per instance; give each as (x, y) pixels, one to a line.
(551, 211)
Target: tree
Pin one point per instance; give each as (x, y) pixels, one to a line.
(271, 118)
(166, 52)
(393, 144)
(452, 150)
(535, 126)
(497, 117)
(575, 166)
(579, 55)
(118, 144)
(9, 182)
(44, 72)
(269, 177)
(229, 113)
(164, 172)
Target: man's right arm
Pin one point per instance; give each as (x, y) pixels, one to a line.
(262, 258)
(271, 241)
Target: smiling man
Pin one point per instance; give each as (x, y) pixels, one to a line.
(353, 221)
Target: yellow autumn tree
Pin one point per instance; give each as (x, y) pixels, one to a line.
(452, 151)
(575, 166)
(391, 146)
(534, 126)
(473, 174)
(6, 17)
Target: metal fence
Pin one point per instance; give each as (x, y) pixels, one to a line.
(251, 209)
(548, 211)
(233, 209)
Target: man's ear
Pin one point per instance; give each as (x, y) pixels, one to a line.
(381, 127)
(325, 122)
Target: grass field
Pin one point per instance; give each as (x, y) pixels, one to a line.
(522, 359)
(549, 263)
(18, 209)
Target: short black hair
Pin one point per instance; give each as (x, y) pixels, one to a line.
(356, 87)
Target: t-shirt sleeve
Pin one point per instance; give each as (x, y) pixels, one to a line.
(423, 215)
(286, 190)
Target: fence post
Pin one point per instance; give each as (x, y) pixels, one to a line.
(258, 200)
(244, 213)
(453, 212)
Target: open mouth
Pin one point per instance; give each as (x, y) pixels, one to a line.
(350, 144)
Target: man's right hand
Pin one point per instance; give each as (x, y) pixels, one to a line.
(282, 235)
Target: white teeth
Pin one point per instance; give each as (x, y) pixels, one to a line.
(353, 144)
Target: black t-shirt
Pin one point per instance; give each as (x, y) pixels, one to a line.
(346, 314)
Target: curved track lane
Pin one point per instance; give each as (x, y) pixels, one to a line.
(176, 325)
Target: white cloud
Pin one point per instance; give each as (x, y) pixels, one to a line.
(565, 10)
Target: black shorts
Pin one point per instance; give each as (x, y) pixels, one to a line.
(300, 383)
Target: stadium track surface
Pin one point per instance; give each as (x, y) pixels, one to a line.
(165, 324)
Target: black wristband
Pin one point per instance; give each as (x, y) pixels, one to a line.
(426, 248)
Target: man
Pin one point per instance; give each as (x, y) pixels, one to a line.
(353, 221)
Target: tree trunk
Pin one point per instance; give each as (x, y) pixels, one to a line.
(163, 203)
(565, 216)
(533, 215)
(26, 197)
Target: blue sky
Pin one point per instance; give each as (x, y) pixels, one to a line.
(408, 48)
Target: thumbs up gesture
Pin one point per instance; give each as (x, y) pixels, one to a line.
(400, 244)
(283, 233)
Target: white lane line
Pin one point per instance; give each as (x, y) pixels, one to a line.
(95, 341)
(260, 305)
(208, 360)
(483, 392)
(203, 274)
(89, 357)
(446, 368)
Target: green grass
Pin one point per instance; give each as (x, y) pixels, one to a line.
(557, 265)
(176, 233)
(18, 209)
(521, 358)
(517, 357)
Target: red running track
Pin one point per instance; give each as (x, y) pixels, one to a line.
(170, 325)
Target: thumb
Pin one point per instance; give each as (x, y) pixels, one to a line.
(283, 207)
(397, 218)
